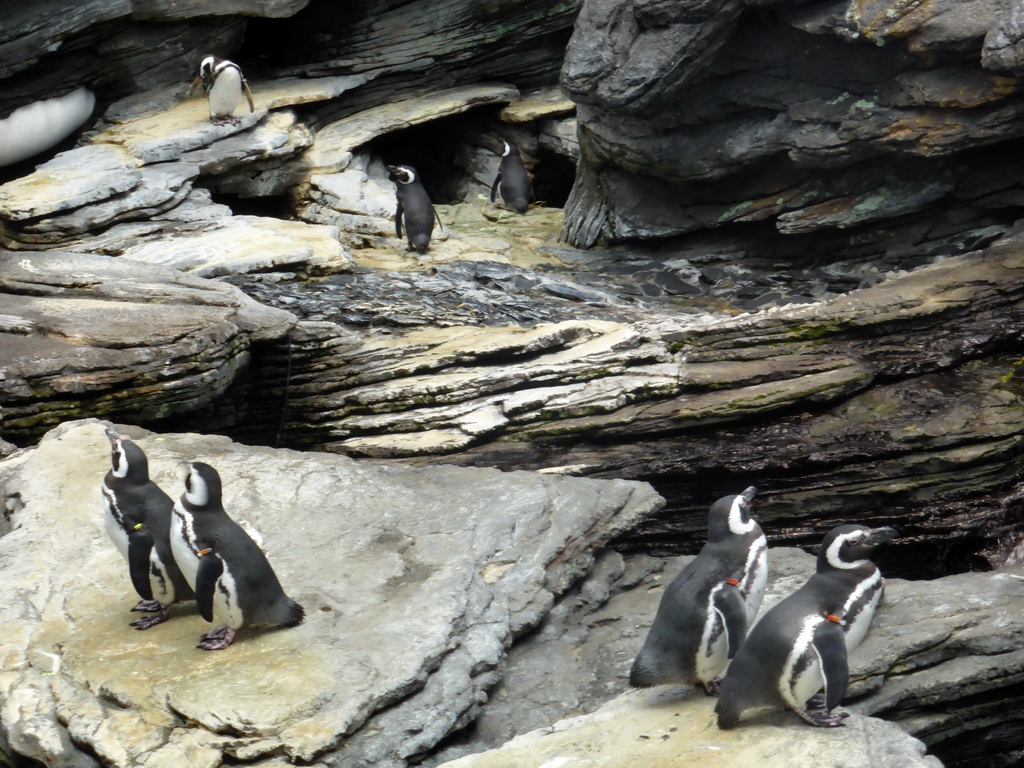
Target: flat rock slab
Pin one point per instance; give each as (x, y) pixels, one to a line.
(414, 582)
(241, 244)
(672, 727)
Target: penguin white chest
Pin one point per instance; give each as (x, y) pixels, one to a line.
(802, 676)
(183, 544)
(713, 651)
(226, 608)
(225, 93)
(755, 577)
(112, 522)
(860, 609)
(159, 580)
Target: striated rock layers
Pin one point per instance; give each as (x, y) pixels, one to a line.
(415, 581)
(787, 123)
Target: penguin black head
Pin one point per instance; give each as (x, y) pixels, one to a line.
(202, 485)
(850, 546)
(730, 515)
(402, 174)
(126, 458)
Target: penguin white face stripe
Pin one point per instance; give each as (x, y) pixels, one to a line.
(120, 468)
(736, 524)
(197, 493)
(834, 555)
(508, 149)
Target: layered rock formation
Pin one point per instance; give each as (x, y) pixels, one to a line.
(130, 339)
(807, 117)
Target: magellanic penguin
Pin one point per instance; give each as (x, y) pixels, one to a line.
(512, 180)
(414, 206)
(138, 521)
(800, 644)
(224, 85)
(234, 584)
(704, 614)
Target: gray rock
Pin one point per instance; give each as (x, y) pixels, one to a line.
(414, 583)
(697, 115)
(163, 341)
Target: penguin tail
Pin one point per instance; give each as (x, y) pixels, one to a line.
(728, 715)
(296, 614)
(640, 676)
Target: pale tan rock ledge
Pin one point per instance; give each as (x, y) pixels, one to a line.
(676, 727)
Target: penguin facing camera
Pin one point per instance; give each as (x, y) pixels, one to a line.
(800, 644)
(224, 84)
(703, 615)
(137, 517)
(512, 180)
(414, 207)
(232, 579)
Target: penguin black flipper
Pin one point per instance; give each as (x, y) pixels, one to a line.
(210, 569)
(494, 186)
(732, 609)
(830, 645)
(140, 545)
(398, 221)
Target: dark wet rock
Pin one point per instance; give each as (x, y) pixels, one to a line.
(701, 116)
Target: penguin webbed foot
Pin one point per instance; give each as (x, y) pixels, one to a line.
(710, 687)
(217, 639)
(162, 614)
(823, 718)
(148, 606)
(817, 701)
(226, 120)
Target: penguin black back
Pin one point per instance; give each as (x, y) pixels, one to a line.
(414, 207)
(513, 181)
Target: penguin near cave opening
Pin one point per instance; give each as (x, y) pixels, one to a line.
(234, 583)
(801, 643)
(512, 180)
(138, 521)
(703, 615)
(414, 207)
(224, 84)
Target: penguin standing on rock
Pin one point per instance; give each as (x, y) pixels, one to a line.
(703, 616)
(414, 206)
(138, 521)
(224, 85)
(801, 644)
(234, 584)
(513, 181)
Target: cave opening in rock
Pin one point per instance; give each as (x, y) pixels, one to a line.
(273, 206)
(458, 157)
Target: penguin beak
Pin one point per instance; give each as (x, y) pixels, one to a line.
(878, 536)
(749, 494)
(112, 435)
